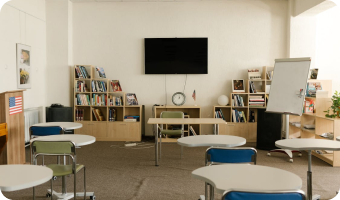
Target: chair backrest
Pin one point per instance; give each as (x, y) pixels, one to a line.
(284, 195)
(172, 114)
(216, 155)
(53, 147)
(45, 130)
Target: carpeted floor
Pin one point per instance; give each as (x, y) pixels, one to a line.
(117, 172)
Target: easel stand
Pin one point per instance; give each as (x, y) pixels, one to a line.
(286, 151)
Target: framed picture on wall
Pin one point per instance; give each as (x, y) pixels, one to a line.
(238, 86)
(23, 66)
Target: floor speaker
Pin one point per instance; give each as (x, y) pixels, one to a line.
(60, 114)
(268, 129)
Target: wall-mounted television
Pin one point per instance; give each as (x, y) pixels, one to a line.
(176, 55)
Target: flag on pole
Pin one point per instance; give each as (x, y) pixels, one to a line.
(194, 95)
(15, 105)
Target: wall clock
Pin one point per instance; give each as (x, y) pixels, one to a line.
(178, 98)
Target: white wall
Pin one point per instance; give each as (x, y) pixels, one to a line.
(328, 46)
(23, 21)
(242, 35)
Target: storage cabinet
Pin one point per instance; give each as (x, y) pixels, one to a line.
(131, 130)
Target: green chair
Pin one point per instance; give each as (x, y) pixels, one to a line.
(58, 148)
(178, 132)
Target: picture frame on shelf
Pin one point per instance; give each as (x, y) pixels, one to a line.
(238, 85)
(23, 66)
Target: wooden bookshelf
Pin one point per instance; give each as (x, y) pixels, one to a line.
(105, 130)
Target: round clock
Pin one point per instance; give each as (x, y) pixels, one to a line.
(178, 98)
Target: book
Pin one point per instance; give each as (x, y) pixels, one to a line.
(312, 87)
(130, 120)
(244, 117)
(100, 115)
(131, 99)
(95, 114)
(222, 114)
(100, 72)
(192, 131)
(115, 86)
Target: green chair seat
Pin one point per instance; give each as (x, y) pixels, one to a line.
(63, 170)
(171, 132)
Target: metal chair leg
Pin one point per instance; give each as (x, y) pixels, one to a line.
(160, 146)
(51, 188)
(33, 193)
(84, 184)
(75, 183)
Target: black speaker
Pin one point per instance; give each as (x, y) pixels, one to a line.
(268, 129)
(60, 114)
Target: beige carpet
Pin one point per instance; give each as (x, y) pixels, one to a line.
(116, 172)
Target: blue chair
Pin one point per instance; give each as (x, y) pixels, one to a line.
(284, 195)
(219, 155)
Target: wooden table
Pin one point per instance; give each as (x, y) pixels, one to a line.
(79, 140)
(179, 121)
(309, 145)
(18, 177)
(244, 177)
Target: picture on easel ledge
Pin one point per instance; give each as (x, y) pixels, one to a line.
(23, 66)
(238, 86)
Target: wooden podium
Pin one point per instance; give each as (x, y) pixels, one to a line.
(12, 113)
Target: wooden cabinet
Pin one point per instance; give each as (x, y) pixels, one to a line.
(245, 130)
(105, 130)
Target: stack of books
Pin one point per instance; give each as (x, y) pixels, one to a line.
(99, 99)
(115, 101)
(98, 86)
(81, 72)
(112, 115)
(131, 118)
(98, 115)
(81, 86)
(252, 88)
(219, 114)
(238, 116)
(256, 101)
(237, 100)
(79, 114)
(82, 100)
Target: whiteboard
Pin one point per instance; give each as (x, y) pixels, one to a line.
(290, 75)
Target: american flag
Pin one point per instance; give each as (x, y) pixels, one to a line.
(15, 105)
(194, 95)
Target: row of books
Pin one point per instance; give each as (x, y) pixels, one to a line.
(79, 114)
(81, 86)
(252, 88)
(312, 87)
(270, 75)
(99, 99)
(98, 86)
(131, 99)
(81, 72)
(100, 72)
(115, 86)
(238, 116)
(309, 106)
(219, 114)
(115, 101)
(112, 115)
(256, 101)
(98, 115)
(131, 118)
(82, 100)
(237, 100)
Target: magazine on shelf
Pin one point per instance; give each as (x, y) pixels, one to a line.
(131, 99)
(115, 86)
(100, 72)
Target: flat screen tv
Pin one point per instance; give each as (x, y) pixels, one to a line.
(176, 55)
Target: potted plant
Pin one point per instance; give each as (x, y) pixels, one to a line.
(335, 107)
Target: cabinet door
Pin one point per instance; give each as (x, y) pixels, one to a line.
(134, 131)
(85, 130)
(99, 129)
(252, 132)
(237, 129)
(124, 131)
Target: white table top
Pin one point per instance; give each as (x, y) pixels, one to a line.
(18, 177)
(211, 140)
(186, 121)
(338, 138)
(79, 140)
(244, 177)
(308, 144)
(63, 125)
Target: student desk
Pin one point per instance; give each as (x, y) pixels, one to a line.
(179, 121)
(63, 125)
(211, 140)
(245, 177)
(309, 145)
(79, 140)
(18, 177)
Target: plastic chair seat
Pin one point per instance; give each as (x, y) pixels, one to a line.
(63, 170)
(171, 132)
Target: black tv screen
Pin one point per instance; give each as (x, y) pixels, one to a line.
(176, 55)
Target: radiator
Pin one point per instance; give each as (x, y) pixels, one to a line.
(31, 117)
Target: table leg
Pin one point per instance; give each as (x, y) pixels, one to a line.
(310, 196)
(156, 146)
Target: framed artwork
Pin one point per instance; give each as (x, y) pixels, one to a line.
(23, 66)
(238, 86)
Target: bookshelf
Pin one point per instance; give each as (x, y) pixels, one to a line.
(189, 112)
(99, 95)
(246, 129)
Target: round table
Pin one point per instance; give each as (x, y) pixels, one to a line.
(211, 140)
(63, 125)
(244, 177)
(309, 145)
(18, 177)
(79, 140)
